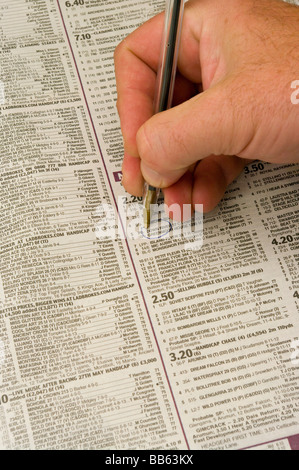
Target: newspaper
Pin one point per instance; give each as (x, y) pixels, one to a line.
(110, 338)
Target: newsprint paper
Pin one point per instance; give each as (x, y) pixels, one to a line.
(110, 337)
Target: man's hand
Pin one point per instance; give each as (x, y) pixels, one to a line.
(232, 100)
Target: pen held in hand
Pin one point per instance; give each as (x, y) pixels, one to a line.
(165, 82)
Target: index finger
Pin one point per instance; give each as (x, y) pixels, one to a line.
(136, 62)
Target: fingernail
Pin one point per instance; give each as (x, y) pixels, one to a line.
(151, 176)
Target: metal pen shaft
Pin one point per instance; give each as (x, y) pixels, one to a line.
(165, 81)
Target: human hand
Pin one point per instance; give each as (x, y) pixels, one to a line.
(232, 99)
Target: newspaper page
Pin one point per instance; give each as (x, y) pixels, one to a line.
(110, 337)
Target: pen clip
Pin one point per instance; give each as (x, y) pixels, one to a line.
(168, 55)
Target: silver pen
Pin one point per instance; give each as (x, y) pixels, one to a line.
(165, 82)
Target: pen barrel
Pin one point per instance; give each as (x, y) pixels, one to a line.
(165, 82)
(169, 55)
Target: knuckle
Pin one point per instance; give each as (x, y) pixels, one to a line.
(118, 51)
(144, 144)
(163, 145)
(152, 145)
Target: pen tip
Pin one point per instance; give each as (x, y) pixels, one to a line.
(149, 200)
(146, 218)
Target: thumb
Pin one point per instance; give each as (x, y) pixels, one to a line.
(171, 141)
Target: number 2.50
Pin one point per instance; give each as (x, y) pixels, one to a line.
(163, 297)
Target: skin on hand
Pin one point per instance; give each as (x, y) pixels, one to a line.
(232, 100)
